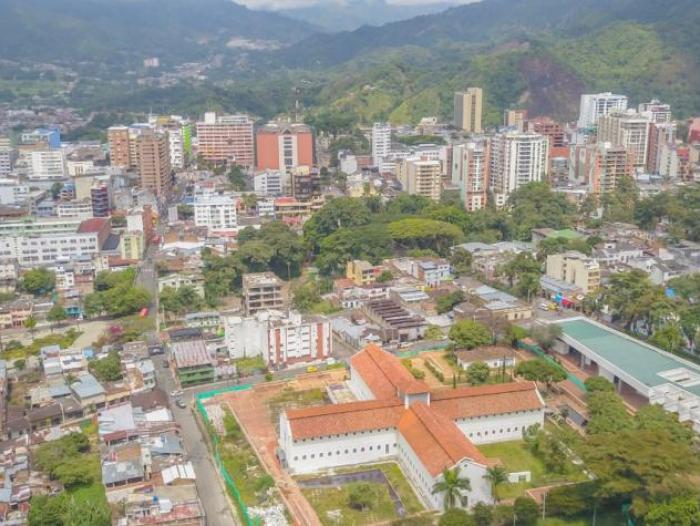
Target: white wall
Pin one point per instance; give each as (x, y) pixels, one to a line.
(358, 386)
(499, 428)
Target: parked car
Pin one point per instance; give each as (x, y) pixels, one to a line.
(180, 403)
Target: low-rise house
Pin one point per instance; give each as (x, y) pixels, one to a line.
(14, 314)
(176, 281)
(490, 305)
(351, 296)
(89, 392)
(494, 356)
(362, 272)
(396, 323)
(122, 473)
(166, 506)
(203, 320)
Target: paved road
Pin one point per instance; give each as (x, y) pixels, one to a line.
(209, 485)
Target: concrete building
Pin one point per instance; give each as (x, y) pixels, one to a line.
(50, 137)
(226, 139)
(601, 166)
(495, 356)
(154, 161)
(362, 272)
(516, 160)
(640, 372)
(397, 324)
(468, 110)
(216, 211)
(76, 208)
(193, 362)
(575, 268)
(47, 165)
(270, 183)
(515, 119)
(281, 339)
(594, 106)
(549, 128)
(421, 177)
(132, 245)
(8, 156)
(381, 142)
(399, 418)
(119, 148)
(660, 112)
(262, 291)
(280, 146)
(470, 172)
(662, 136)
(629, 130)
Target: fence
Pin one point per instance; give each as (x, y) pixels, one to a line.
(533, 347)
(228, 479)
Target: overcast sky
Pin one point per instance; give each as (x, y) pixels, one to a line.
(290, 4)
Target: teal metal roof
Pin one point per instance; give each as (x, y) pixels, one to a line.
(641, 361)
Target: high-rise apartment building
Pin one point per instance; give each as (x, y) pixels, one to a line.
(119, 150)
(601, 166)
(154, 161)
(515, 119)
(227, 139)
(421, 177)
(630, 130)
(549, 128)
(470, 172)
(7, 156)
(661, 135)
(658, 111)
(596, 105)
(468, 110)
(516, 160)
(381, 142)
(281, 146)
(575, 268)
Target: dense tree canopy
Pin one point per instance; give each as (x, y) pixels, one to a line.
(469, 334)
(38, 281)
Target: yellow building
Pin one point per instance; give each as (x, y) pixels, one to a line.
(469, 108)
(362, 272)
(575, 268)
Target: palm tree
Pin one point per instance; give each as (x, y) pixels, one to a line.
(496, 475)
(452, 485)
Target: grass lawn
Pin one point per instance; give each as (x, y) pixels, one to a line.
(603, 518)
(247, 366)
(325, 500)
(515, 456)
(290, 398)
(16, 351)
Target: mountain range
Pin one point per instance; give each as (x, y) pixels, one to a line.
(538, 54)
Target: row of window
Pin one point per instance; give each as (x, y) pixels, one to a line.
(378, 448)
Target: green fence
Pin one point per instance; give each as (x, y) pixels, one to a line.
(533, 347)
(228, 479)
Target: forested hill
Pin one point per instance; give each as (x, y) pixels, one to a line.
(497, 20)
(126, 31)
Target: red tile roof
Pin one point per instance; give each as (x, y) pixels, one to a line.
(436, 441)
(384, 374)
(338, 419)
(96, 224)
(469, 402)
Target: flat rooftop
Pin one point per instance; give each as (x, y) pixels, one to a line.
(638, 359)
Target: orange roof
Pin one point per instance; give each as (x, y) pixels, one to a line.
(468, 402)
(95, 224)
(384, 374)
(436, 441)
(338, 419)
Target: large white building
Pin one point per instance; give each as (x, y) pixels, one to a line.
(47, 165)
(381, 142)
(399, 418)
(516, 160)
(281, 339)
(596, 105)
(470, 172)
(216, 212)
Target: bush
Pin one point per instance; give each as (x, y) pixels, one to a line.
(569, 501)
(456, 517)
(417, 373)
(526, 511)
(597, 384)
(434, 369)
(362, 496)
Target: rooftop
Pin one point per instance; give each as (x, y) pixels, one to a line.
(190, 354)
(384, 374)
(482, 354)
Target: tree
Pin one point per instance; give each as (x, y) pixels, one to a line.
(342, 212)
(415, 232)
(185, 212)
(678, 511)
(478, 373)
(30, 323)
(433, 332)
(546, 336)
(526, 511)
(447, 302)
(107, 369)
(57, 313)
(20, 364)
(607, 413)
(570, 500)
(47, 511)
(456, 517)
(522, 267)
(515, 333)
(461, 261)
(496, 475)
(669, 338)
(469, 334)
(237, 178)
(362, 496)
(483, 514)
(654, 417)
(451, 485)
(38, 281)
(541, 370)
(598, 383)
(385, 276)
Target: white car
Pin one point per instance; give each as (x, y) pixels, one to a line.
(176, 393)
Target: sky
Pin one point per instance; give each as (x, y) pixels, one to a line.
(291, 4)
